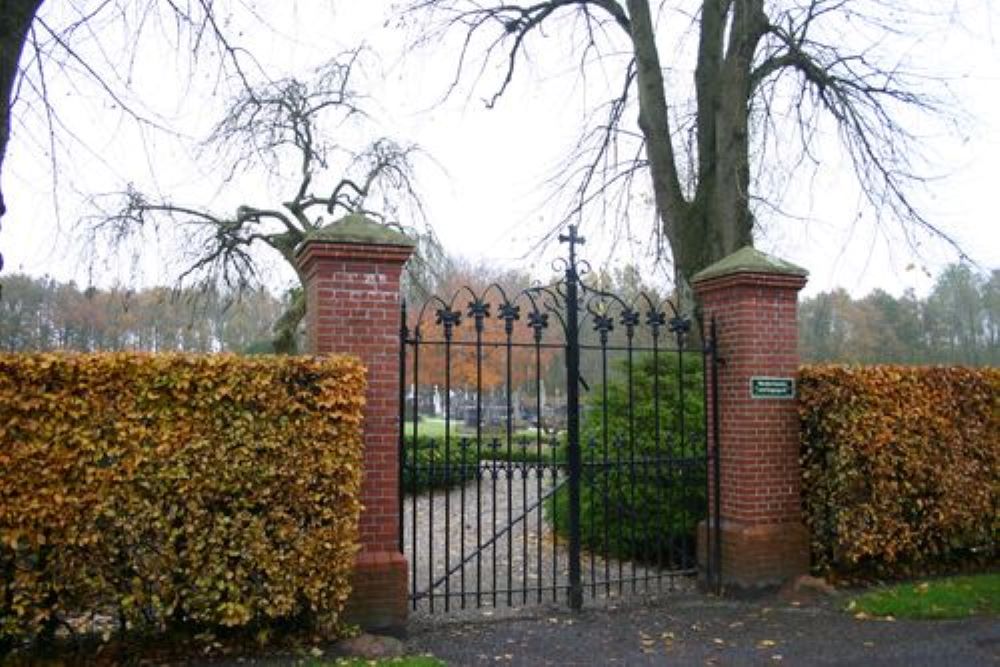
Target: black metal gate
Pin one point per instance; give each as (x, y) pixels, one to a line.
(516, 489)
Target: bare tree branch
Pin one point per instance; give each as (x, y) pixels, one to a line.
(763, 76)
(311, 124)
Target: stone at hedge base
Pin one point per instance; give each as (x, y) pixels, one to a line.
(351, 273)
(753, 299)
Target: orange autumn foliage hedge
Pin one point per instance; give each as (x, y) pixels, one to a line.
(901, 466)
(176, 489)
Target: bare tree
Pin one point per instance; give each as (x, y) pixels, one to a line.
(15, 21)
(761, 76)
(299, 133)
(73, 39)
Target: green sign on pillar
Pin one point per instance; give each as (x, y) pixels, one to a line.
(772, 388)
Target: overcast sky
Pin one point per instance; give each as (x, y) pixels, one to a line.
(483, 186)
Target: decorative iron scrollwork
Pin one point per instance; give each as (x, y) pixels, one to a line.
(656, 319)
(509, 312)
(449, 319)
(603, 324)
(630, 320)
(479, 310)
(538, 321)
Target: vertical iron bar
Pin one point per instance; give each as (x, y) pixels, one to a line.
(479, 315)
(657, 456)
(590, 481)
(430, 521)
(680, 472)
(431, 460)
(619, 505)
(463, 448)
(554, 475)
(573, 417)
(605, 462)
(493, 514)
(631, 449)
(509, 330)
(540, 466)
(415, 462)
(524, 524)
(447, 467)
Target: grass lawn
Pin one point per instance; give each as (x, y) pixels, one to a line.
(952, 597)
(433, 427)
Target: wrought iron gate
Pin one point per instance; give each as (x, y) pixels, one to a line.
(514, 488)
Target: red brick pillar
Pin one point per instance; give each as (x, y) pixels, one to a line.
(753, 300)
(351, 272)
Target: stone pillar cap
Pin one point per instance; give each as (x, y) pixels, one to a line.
(355, 228)
(749, 260)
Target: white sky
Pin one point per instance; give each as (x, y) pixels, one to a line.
(483, 192)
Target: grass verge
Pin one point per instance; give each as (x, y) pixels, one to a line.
(951, 597)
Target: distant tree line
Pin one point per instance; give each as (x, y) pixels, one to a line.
(44, 314)
(957, 323)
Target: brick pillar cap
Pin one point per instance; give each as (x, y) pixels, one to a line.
(749, 260)
(355, 228)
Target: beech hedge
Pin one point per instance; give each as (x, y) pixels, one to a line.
(901, 467)
(171, 490)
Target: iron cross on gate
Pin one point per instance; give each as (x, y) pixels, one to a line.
(574, 240)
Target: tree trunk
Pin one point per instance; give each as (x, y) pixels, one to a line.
(15, 20)
(718, 221)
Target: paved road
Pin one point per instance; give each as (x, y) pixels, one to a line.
(692, 629)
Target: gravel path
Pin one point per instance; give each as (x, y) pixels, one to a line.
(511, 556)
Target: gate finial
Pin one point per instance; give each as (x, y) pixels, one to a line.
(574, 240)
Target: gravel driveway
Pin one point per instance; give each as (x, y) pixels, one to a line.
(510, 557)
